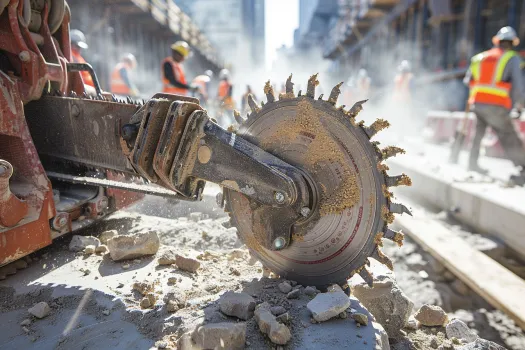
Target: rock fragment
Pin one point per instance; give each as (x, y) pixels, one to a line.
(268, 324)
(187, 264)
(284, 287)
(240, 305)
(277, 310)
(236, 254)
(458, 329)
(107, 235)
(220, 336)
(411, 323)
(167, 258)
(25, 322)
(360, 319)
(79, 243)
(172, 306)
(131, 247)
(431, 315)
(148, 301)
(284, 318)
(328, 305)
(143, 287)
(40, 310)
(387, 302)
(106, 312)
(481, 344)
(294, 294)
(311, 291)
(101, 249)
(90, 249)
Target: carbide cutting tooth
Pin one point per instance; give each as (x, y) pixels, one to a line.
(398, 208)
(253, 104)
(312, 83)
(238, 117)
(376, 127)
(268, 91)
(391, 151)
(57, 93)
(334, 95)
(382, 258)
(289, 85)
(129, 100)
(366, 275)
(394, 236)
(356, 108)
(84, 95)
(320, 98)
(113, 98)
(398, 180)
(73, 94)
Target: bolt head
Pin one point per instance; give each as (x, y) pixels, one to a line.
(279, 197)
(305, 211)
(62, 221)
(24, 56)
(279, 243)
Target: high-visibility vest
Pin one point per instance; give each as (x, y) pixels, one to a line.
(86, 77)
(118, 85)
(402, 87)
(201, 81)
(486, 85)
(223, 93)
(179, 76)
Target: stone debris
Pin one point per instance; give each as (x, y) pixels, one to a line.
(387, 302)
(311, 291)
(148, 301)
(90, 249)
(285, 287)
(79, 243)
(172, 280)
(101, 249)
(236, 254)
(222, 335)
(343, 315)
(107, 235)
(458, 329)
(167, 258)
(411, 324)
(161, 344)
(143, 287)
(125, 266)
(277, 310)
(20, 264)
(25, 322)
(268, 324)
(40, 310)
(360, 319)
(431, 315)
(328, 305)
(172, 306)
(187, 264)
(131, 247)
(106, 312)
(284, 318)
(240, 305)
(481, 344)
(294, 294)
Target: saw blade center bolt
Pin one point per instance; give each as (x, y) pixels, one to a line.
(279, 243)
(305, 211)
(279, 197)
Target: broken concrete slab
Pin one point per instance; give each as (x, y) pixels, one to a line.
(458, 329)
(240, 305)
(186, 263)
(328, 305)
(107, 235)
(387, 302)
(131, 247)
(222, 335)
(431, 315)
(79, 243)
(268, 324)
(40, 310)
(167, 257)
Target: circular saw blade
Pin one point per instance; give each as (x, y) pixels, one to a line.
(347, 220)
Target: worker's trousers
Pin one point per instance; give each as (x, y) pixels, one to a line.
(499, 120)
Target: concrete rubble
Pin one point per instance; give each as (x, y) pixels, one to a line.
(131, 247)
(431, 315)
(387, 302)
(188, 264)
(40, 310)
(240, 305)
(105, 236)
(167, 257)
(285, 287)
(222, 335)
(481, 344)
(458, 329)
(268, 324)
(79, 243)
(328, 305)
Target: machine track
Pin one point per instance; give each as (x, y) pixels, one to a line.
(354, 205)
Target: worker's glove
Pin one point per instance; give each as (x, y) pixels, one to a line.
(515, 113)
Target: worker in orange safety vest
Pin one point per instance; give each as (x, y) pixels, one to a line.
(121, 83)
(202, 82)
(225, 98)
(496, 85)
(173, 76)
(78, 43)
(403, 83)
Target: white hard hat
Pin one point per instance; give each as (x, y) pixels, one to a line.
(78, 38)
(507, 34)
(224, 74)
(209, 73)
(404, 66)
(362, 73)
(129, 57)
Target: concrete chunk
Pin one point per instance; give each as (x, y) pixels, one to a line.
(240, 305)
(458, 329)
(131, 247)
(328, 305)
(220, 336)
(431, 315)
(40, 310)
(79, 243)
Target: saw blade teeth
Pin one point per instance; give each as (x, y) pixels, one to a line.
(334, 95)
(341, 108)
(238, 117)
(356, 108)
(376, 127)
(382, 258)
(399, 208)
(367, 276)
(391, 151)
(320, 98)
(398, 180)
(312, 83)
(289, 85)
(129, 100)
(268, 91)
(395, 236)
(252, 104)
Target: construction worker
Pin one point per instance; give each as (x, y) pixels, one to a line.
(121, 83)
(173, 77)
(78, 43)
(403, 82)
(202, 82)
(496, 85)
(224, 96)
